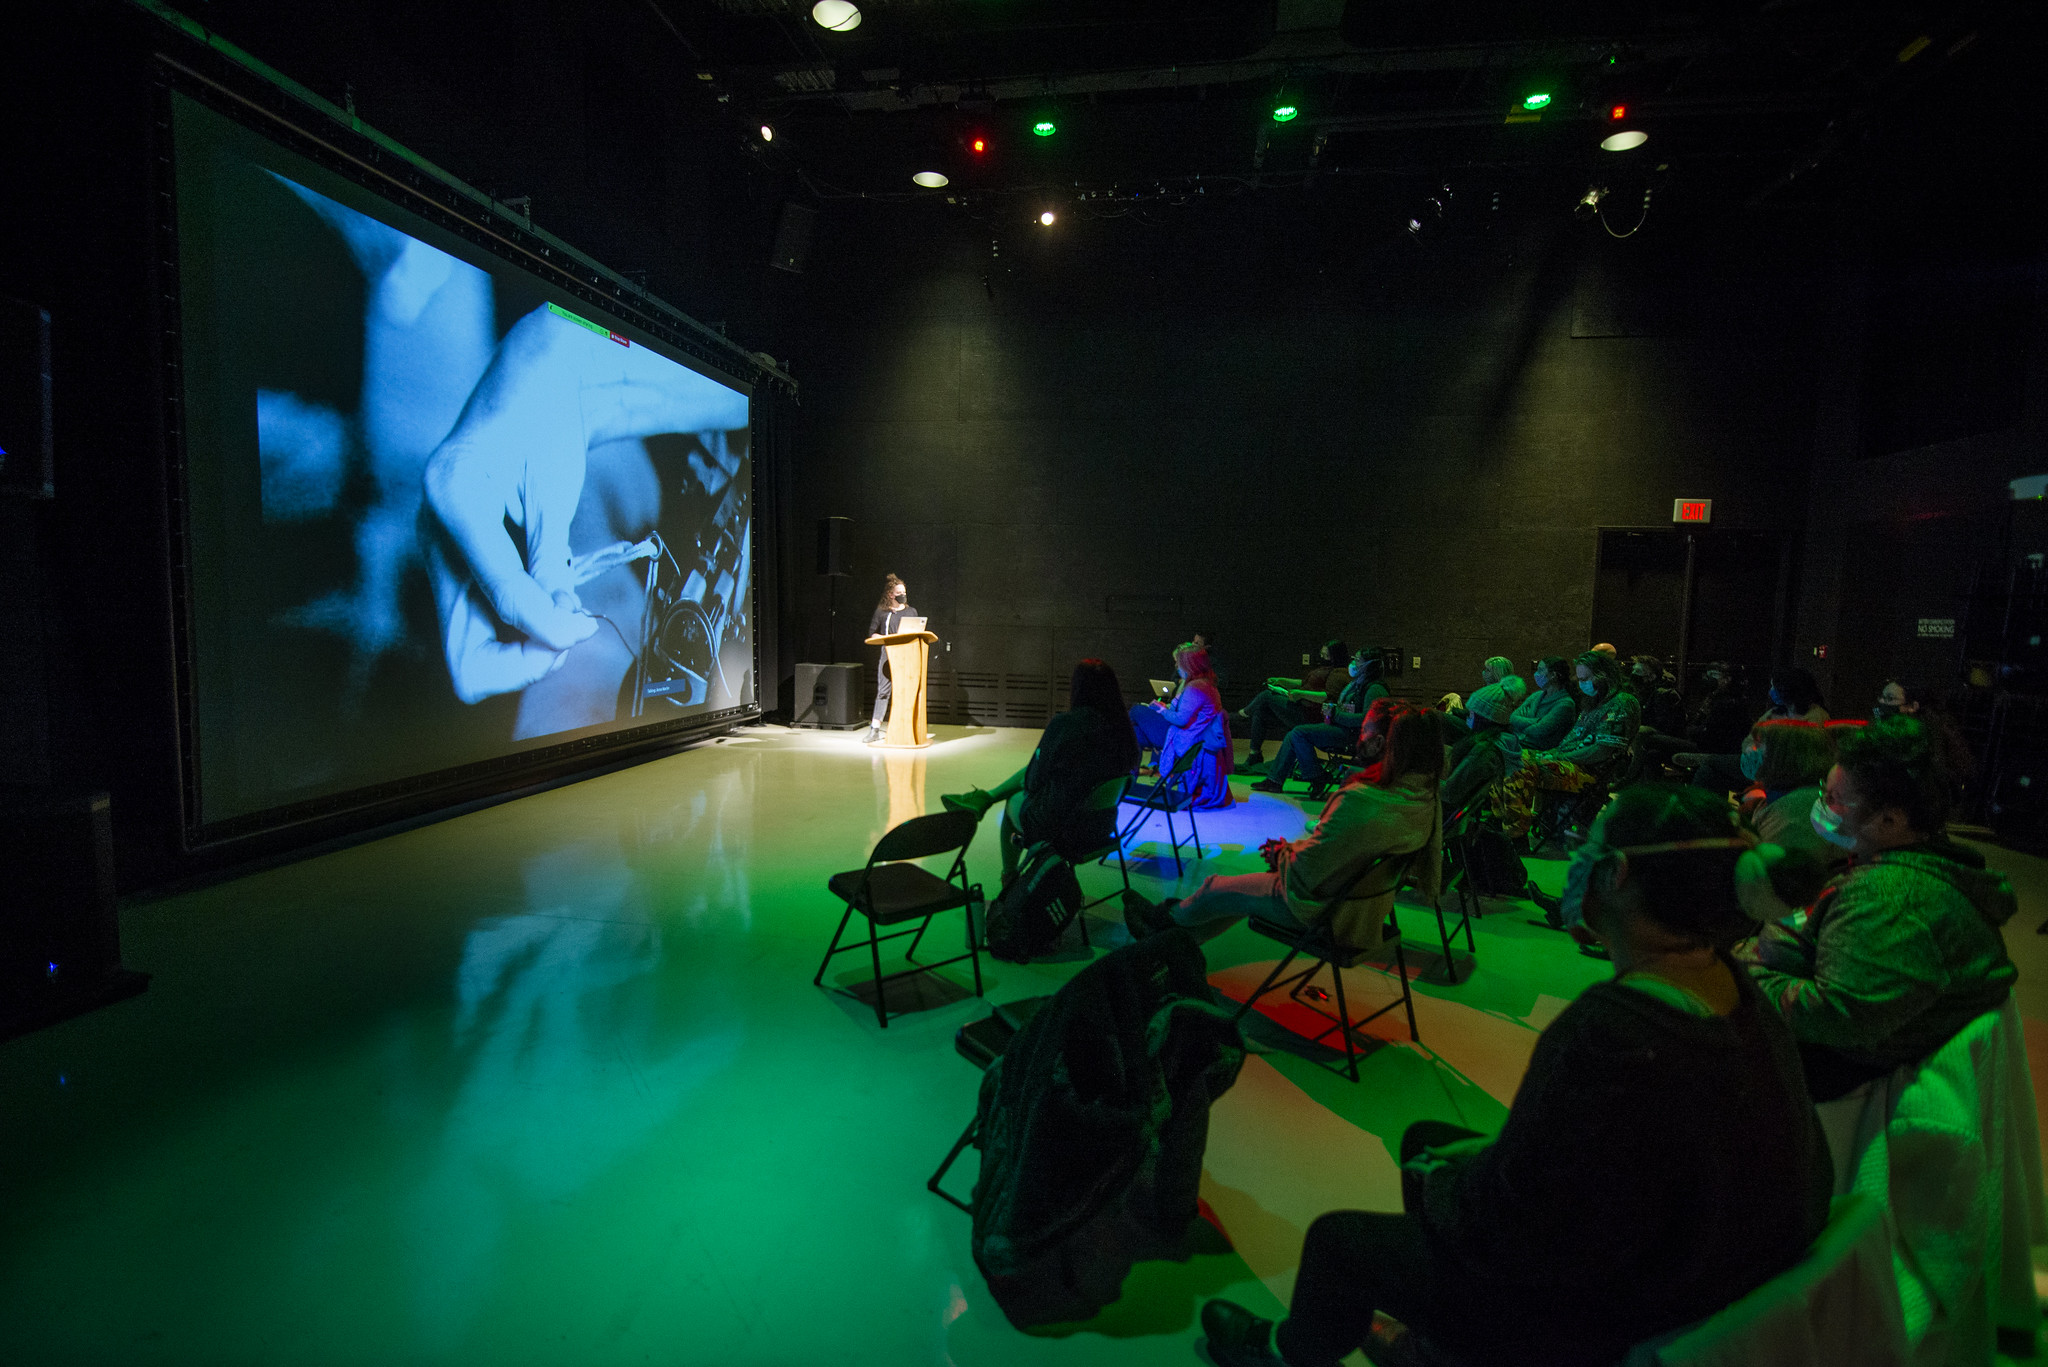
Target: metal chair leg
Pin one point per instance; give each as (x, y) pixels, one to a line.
(881, 992)
(1173, 840)
(1344, 1024)
(967, 1136)
(1194, 832)
(1443, 933)
(834, 948)
(1246, 1005)
(917, 939)
(1407, 994)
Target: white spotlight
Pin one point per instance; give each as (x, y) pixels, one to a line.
(1046, 218)
(767, 132)
(931, 180)
(840, 16)
(1625, 140)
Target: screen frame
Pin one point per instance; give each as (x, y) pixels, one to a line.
(502, 239)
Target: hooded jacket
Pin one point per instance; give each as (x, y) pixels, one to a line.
(1897, 955)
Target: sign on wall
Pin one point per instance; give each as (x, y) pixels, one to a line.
(1692, 510)
(1942, 628)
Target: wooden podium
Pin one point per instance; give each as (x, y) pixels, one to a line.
(908, 653)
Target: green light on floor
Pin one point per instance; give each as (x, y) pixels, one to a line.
(1045, 128)
(1284, 112)
(1536, 101)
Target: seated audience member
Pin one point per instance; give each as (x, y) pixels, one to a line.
(1904, 949)
(1082, 748)
(1195, 720)
(1546, 715)
(1590, 752)
(1794, 697)
(1391, 808)
(1663, 710)
(1786, 763)
(1662, 1158)
(1287, 703)
(1336, 733)
(1145, 719)
(1607, 649)
(1487, 716)
(1716, 724)
(1496, 669)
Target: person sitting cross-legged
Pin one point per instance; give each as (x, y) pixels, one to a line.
(1287, 703)
(1390, 808)
(1083, 747)
(1148, 721)
(1661, 1160)
(1336, 733)
(1488, 713)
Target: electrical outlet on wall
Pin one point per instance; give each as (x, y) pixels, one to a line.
(1415, 662)
(1304, 657)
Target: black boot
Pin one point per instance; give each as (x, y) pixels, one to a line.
(1551, 907)
(1237, 1337)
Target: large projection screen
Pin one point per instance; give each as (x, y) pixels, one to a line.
(438, 514)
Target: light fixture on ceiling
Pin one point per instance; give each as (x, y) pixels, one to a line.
(1285, 113)
(1045, 128)
(1626, 140)
(931, 180)
(767, 132)
(840, 16)
(1539, 99)
(1046, 218)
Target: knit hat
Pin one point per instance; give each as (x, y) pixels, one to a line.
(1516, 688)
(1499, 666)
(1490, 704)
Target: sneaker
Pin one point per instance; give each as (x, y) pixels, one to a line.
(1253, 763)
(1143, 917)
(1269, 785)
(1237, 1337)
(1320, 792)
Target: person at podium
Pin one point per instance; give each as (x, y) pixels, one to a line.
(887, 621)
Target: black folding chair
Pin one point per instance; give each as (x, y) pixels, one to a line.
(981, 1043)
(890, 893)
(1170, 794)
(1106, 797)
(1457, 856)
(1319, 944)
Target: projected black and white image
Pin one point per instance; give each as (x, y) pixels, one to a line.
(479, 516)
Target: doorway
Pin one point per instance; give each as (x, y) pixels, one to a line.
(1693, 594)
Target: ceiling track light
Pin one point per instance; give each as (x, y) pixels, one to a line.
(839, 16)
(931, 180)
(1627, 140)
(1045, 128)
(1046, 218)
(767, 132)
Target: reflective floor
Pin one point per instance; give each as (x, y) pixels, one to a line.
(549, 1083)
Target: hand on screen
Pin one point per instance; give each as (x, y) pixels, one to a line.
(502, 489)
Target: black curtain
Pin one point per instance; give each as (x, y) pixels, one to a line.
(776, 542)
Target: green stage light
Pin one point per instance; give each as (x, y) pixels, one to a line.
(1045, 128)
(1535, 101)
(1282, 113)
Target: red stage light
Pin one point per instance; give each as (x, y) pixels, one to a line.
(1618, 113)
(980, 146)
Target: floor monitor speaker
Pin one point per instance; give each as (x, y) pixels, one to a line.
(829, 696)
(60, 933)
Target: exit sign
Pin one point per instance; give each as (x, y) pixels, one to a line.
(1692, 510)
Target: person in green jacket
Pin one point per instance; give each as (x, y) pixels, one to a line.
(1593, 749)
(1904, 949)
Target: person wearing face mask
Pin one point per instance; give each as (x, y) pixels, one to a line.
(1662, 1157)
(1590, 751)
(1795, 696)
(1389, 808)
(1905, 948)
(1337, 733)
(1195, 720)
(1786, 762)
(1663, 710)
(887, 621)
(1496, 669)
(1546, 715)
(1487, 716)
(1287, 703)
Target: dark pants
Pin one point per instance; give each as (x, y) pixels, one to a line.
(1150, 724)
(1269, 712)
(1298, 751)
(882, 691)
(1354, 1264)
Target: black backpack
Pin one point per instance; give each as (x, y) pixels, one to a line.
(1034, 908)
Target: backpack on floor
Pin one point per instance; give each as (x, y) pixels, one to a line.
(1493, 868)
(1034, 908)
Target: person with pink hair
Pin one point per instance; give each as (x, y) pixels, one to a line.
(1196, 720)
